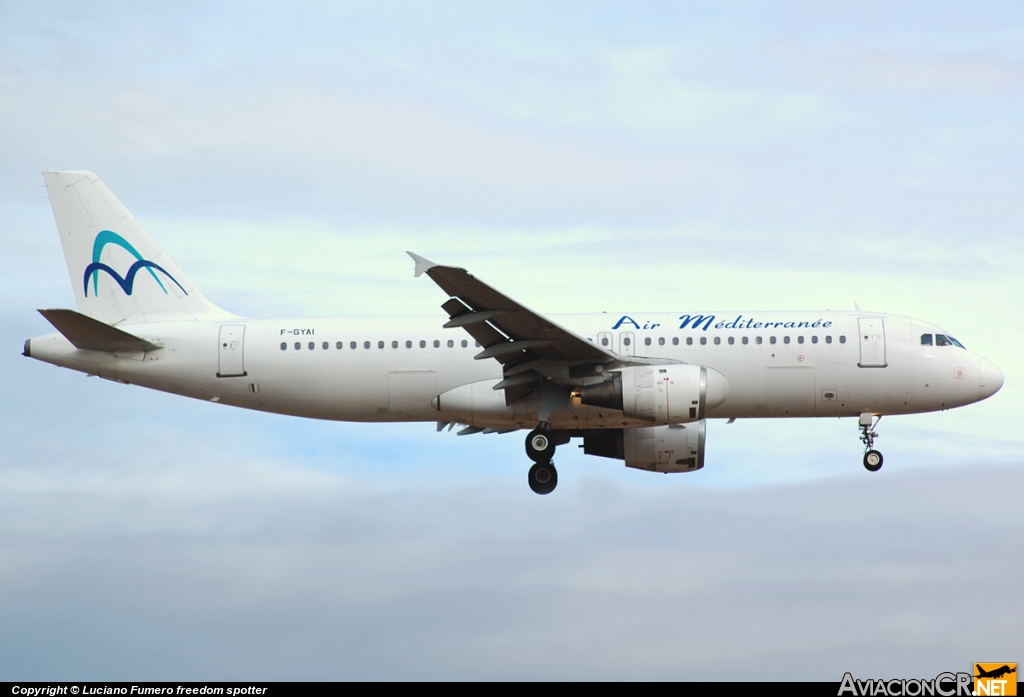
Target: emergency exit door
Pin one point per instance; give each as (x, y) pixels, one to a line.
(230, 351)
(872, 342)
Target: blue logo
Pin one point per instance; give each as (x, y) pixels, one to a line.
(127, 282)
(696, 321)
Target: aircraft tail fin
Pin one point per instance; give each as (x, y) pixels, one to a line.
(119, 273)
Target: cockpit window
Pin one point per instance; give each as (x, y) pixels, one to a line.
(926, 339)
(941, 340)
(957, 343)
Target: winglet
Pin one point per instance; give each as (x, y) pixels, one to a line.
(422, 265)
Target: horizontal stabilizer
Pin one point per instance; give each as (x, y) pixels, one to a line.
(90, 334)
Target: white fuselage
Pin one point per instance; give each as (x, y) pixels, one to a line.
(777, 364)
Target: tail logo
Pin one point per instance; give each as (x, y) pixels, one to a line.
(127, 282)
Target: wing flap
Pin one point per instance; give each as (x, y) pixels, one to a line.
(482, 332)
(90, 334)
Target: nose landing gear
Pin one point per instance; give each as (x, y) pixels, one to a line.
(540, 447)
(872, 461)
(872, 458)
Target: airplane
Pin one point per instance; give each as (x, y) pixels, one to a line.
(995, 673)
(636, 387)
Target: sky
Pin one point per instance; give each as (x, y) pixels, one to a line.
(581, 157)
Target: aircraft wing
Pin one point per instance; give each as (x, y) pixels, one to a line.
(527, 344)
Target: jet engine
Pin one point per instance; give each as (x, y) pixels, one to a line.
(661, 394)
(672, 448)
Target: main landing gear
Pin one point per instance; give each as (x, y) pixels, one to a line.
(540, 447)
(872, 458)
(543, 478)
(540, 444)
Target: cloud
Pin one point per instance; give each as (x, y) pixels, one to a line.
(314, 578)
(964, 75)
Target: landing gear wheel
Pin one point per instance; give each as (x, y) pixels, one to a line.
(543, 478)
(872, 461)
(540, 446)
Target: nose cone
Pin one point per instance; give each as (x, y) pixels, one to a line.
(990, 378)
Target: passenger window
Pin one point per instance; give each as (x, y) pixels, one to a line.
(799, 340)
(757, 341)
(465, 343)
(366, 344)
(941, 340)
(625, 341)
(340, 345)
(604, 341)
(477, 344)
(423, 344)
(926, 339)
(380, 344)
(718, 340)
(451, 343)
(408, 344)
(771, 340)
(298, 346)
(647, 341)
(311, 346)
(284, 346)
(326, 346)
(675, 341)
(732, 340)
(745, 340)
(661, 341)
(689, 341)
(842, 339)
(437, 344)
(814, 339)
(394, 344)
(785, 339)
(703, 341)
(828, 339)
(352, 345)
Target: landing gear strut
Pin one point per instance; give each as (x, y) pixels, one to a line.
(872, 458)
(540, 447)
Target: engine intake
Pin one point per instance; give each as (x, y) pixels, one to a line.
(661, 394)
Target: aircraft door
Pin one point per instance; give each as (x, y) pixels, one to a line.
(604, 340)
(626, 344)
(872, 342)
(230, 351)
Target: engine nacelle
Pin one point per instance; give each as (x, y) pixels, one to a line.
(661, 394)
(672, 448)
